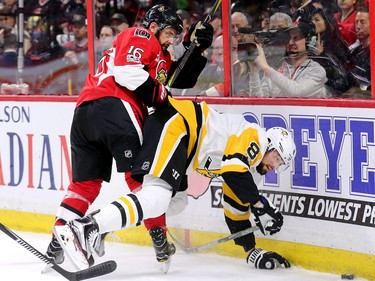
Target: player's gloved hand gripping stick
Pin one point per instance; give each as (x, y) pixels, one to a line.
(199, 37)
(266, 207)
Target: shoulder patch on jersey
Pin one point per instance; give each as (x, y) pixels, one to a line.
(142, 32)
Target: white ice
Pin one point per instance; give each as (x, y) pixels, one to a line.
(138, 263)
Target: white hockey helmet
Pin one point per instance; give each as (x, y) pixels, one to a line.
(281, 140)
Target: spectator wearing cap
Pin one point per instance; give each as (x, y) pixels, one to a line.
(298, 75)
(80, 42)
(119, 22)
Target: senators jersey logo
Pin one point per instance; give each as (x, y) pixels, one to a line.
(161, 76)
(142, 32)
(161, 71)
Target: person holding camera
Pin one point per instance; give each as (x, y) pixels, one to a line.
(298, 75)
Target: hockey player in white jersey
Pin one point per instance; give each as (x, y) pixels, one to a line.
(185, 137)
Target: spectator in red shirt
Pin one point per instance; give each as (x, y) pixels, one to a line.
(346, 20)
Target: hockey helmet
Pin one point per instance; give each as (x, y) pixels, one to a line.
(281, 140)
(164, 16)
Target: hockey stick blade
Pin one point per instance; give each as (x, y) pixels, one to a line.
(94, 271)
(233, 236)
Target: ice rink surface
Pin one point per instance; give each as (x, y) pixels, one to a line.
(138, 263)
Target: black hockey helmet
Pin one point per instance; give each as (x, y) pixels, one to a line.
(164, 16)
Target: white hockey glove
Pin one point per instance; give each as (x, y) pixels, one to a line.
(266, 207)
(262, 259)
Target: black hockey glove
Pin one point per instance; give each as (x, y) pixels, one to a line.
(201, 33)
(274, 225)
(262, 259)
(153, 93)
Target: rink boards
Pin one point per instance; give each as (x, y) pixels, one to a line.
(327, 196)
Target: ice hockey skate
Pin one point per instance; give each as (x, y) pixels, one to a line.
(80, 239)
(163, 249)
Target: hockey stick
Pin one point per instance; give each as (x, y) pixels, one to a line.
(233, 236)
(192, 46)
(94, 271)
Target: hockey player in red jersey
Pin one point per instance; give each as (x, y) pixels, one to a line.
(108, 117)
(180, 139)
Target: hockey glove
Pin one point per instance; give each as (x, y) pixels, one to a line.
(201, 33)
(273, 226)
(262, 259)
(153, 93)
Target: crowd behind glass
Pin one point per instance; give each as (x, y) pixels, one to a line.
(293, 36)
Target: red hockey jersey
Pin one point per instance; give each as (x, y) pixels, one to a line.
(135, 55)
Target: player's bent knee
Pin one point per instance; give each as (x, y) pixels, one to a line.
(154, 197)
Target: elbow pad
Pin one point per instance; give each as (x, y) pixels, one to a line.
(152, 93)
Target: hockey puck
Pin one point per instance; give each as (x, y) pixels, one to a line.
(347, 276)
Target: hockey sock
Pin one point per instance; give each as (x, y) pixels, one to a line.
(159, 221)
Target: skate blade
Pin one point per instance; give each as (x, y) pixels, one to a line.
(67, 241)
(166, 264)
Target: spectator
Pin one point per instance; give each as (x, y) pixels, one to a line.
(265, 23)
(239, 20)
(298, 76)
(79, 44)
(67, 33)
(11, 5)
(119, 23)
(103, 12)
(275, 47)
(43, 21)
(280, 20)
(359, 56)
(74, 7)
(75, 52)
(106, 37)
(8, 24)
(346, 20)
(210, 82)
(330, 52)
